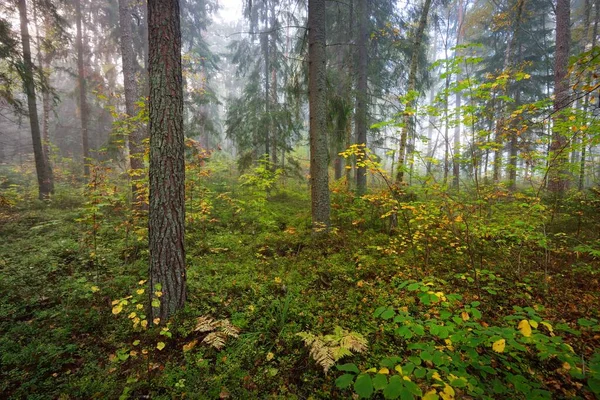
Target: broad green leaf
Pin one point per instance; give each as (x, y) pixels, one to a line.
(380, 382)
(344, 381)
(394, 388)
(348, 368)
(363, 386)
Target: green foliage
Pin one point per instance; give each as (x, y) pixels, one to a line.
(450, 351)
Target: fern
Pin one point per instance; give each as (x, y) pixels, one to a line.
(218, 331)
(327, 350)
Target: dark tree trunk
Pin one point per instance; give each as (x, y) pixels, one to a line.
(83, 108)
(136, 149)
(317, 100)
(409, 121)
(42, 165)
(361, 95)
(167, 164)
(558, 181)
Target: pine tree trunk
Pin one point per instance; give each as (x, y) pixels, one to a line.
(456, 158)
(42, 165)
(409, 120)
(361, 94)
(167, 165)
(319, 173)
(83, 108)
(136, 149)
(557, 174)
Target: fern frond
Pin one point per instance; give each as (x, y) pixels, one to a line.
(205, 324)
(322, 354)
(355, 342)
(228, 329)
(340, 352)
(215, 339)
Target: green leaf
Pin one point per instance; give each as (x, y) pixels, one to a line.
(413, 388)
(388, 314)
(348, 368)
(594, 384)
(414, 286)
(394, 388)
(420, 372)
(378, 311)
(155, 303)
(344, 381)
(380, 382)
(363, 386)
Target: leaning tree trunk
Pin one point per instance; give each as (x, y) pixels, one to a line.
(42, 165)
(136, 149)
(166, 219)
(83, 108)
(409, 122)
(557, 174)
(317, 100)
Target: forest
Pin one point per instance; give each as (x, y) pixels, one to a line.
(300, 199)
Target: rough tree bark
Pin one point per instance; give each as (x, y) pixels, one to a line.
(319, 173)
(167, 164)
(557, 175)
(42, 165)
(361, 94)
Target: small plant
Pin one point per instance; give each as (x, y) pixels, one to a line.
(327, 350)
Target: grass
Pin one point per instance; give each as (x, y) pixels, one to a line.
(262, 270)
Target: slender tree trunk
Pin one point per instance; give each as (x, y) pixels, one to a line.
(558, 181)
(42, 165)
(361, 95)
(318, 119)
(456, 158)
(45, 84)
(136, 149)
(83, 108)
(586, 103)
(167, 166)
(409, 120)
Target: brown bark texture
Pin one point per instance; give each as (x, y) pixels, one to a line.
(557, 174)
(83, 108)
(361, 94)
(319, 173)
(167, 163)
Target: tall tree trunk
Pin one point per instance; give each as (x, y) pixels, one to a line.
(136, 149)
(317, 100)
(83, 108)
(167, 165)
(514, 142)
(42, 165)
(45, 84)
(456, 158)
(361, 95)
(557, 173)
(593, 33)
(409, 120)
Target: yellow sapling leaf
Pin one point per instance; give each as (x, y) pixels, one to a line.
(525, 328)
(499, 346)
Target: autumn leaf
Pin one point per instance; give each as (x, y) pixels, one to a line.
(525, 328)
(160, 345)
(117, 309)
(499, 345)
(95, 289)
(384, 371)
(190, 345)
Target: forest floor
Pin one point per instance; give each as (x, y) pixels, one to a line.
(69, 287)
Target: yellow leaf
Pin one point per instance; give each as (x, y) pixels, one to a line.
(141, 282)
(117, 309)
(144, 323)
(436, 376)
(160, 345)
(448, 393)
(158, 293)
(371, 370)
(270, 356)
(525, 328)
(384, 371)
(431, 395)
(547, 325)
(190, 345)
(140, 291)
(95, 289)
(132, 315)
(139, 306)
(156, 321)
(533, 324)
(499, 346)
(464, 315)
(399, 369)
(114, 302)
